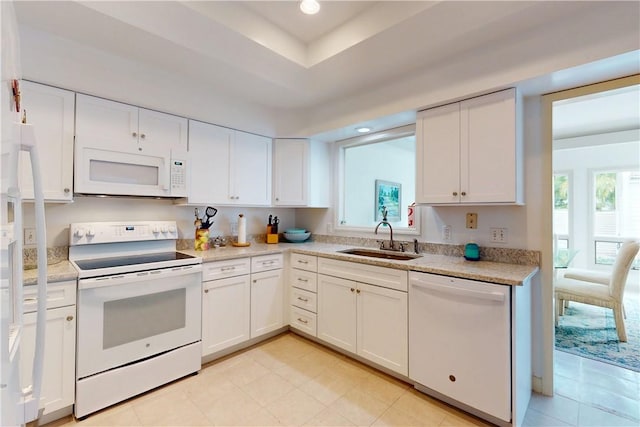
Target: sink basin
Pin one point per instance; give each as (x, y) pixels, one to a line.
(377, 253)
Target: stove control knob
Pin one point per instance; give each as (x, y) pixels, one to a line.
(91, 232)
(165, 229)
(155, 229)
(79, 232)
(172, 229)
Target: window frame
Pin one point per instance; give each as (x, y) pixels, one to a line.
(382, 136)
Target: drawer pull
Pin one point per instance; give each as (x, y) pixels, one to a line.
(300, 261)
(233, 267)
(271, 262)
(303, 299)
(69, 318)
(303, 321)
(28, 300)
(300, 279)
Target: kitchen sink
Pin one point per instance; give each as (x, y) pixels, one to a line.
(378, 253)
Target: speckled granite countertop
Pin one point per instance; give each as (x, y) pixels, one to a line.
(58, 272)
(455, 266)
(488, 271)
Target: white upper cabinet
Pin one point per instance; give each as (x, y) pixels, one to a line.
(301, 173)
(127, 128)
(50, 110)
(470, 152)
(228, 167)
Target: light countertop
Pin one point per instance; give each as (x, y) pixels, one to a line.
(488, 271)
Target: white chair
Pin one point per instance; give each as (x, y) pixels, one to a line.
(587, 288)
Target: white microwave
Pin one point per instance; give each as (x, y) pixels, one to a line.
(108, 172)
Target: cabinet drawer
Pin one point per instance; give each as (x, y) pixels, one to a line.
(304, 280)
(228, 268)
(380, 276)
(303, 320)
(304, 299)
(58, 295)
(304, 262)
(266, 262)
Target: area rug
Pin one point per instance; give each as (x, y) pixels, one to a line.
(590, 331)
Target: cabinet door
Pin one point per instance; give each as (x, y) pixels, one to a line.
(488, 149)
(337, 312)
(267, 302)
(251, 170)
(106, 123)
(209, 163)
(58, 380)
(383, 327)
(438, 155)
(51, 111)
(290, 172)
(225, 313)
(161, 132)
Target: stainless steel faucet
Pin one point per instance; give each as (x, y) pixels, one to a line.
(384, 221)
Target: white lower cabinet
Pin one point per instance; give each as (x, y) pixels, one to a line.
(225, 313)
(267, 303)
(368, 320)
(58, 381)
(303, 300)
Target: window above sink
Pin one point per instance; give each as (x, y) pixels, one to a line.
(377, 171)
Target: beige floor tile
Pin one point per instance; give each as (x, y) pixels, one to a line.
(299, 371)
(270, 360)
(245, 372)
(456, 418)
(261, 418)
(421, 407)
(360, 408)
(295, 408)
(268, 388)
(559, 407)
(118, 415)
(329, 418)
(204, 394)
(232, 409)
(328, 387)
(383, 387)
(393, 417)
(170, 409)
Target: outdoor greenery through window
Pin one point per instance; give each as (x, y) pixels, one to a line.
(561, 187)
(377, 172)
(616, 212)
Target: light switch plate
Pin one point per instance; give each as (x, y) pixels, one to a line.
(472, 220)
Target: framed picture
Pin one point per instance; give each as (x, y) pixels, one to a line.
(389, 197)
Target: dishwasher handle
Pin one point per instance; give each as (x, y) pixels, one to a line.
(451, 290)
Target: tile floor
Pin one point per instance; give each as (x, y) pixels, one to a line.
(292, 381)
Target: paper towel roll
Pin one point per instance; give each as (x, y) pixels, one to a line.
(242, 229)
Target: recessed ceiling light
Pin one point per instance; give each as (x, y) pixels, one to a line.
(310, 7)
(363, 129)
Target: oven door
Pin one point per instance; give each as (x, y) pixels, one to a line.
(128, 317)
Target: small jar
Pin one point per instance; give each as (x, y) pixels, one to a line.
(201, 242)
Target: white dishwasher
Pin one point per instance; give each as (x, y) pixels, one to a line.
(460, 341)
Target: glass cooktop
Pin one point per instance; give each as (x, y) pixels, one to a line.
(95, 264)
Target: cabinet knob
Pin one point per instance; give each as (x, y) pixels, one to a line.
(455, 193)
(69, 318)
(66, 190)
(353, 290)
(464, 193)
(452, 378)
(255, 281)
(134, 134)
(357, 291)
(143, 136)
(277, 199)
(206, 291)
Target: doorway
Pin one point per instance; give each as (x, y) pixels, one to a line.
(596, 179)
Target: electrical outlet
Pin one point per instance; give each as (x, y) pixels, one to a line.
(446, 233)
(498, 235)
(29, 236)
(472, 220)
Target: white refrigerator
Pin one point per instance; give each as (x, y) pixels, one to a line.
(19, 403)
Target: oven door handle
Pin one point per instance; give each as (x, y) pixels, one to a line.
(141, 276)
